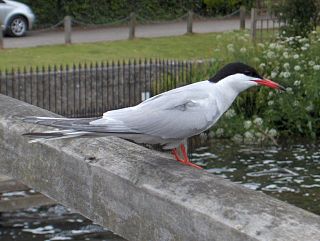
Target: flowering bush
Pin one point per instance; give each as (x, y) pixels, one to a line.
(261, 113)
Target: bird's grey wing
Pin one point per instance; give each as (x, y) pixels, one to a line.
(170, 116)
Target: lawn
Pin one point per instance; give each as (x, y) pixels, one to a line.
(196, 46)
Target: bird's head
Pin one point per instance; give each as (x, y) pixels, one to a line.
(240, 77)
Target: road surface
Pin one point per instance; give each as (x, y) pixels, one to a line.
(120, 33)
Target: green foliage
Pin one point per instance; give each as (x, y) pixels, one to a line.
(268, 112)
(101, 11)
(224, 7)
(299, 16)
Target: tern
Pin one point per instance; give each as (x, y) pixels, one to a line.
(167, 119)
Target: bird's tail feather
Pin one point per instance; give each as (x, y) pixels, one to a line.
(72, 128)
(69, 128)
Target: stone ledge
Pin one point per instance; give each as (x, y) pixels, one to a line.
(141, 194)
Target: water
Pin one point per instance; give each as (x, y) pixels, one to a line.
(50, 223)
(290, 172)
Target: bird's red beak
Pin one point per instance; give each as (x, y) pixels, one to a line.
(270, 83)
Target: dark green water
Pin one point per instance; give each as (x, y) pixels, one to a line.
(290, 172)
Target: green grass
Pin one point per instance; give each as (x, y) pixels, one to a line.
(196, 46)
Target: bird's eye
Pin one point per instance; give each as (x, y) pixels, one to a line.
(248, 73)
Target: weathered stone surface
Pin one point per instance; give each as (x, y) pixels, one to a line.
(142, 194)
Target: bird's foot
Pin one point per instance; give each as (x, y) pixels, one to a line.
(186, 160)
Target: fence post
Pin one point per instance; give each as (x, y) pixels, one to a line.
(189, 21)
(67, 29)
(132, 26)
(253, 23)
(242, 17)
(1, 35)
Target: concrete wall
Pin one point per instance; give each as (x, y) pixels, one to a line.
(142, 194)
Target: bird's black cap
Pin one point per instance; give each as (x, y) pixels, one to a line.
(234, 68)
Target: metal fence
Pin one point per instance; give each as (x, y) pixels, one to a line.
(89, 90)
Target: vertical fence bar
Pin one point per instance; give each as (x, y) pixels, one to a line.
(91, 111)
(65, 109)
(1, 35)
(129, 81)
(190, 22)
(242, 17)
(253, 23)
(55, 87)
(119, 104)
(67, 29)
(134, 81)
(132, 26)
(97, 89)
(31, 85)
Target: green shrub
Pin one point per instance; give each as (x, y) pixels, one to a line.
(299, 16)
(261, 113)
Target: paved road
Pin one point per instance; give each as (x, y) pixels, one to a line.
(119, 33)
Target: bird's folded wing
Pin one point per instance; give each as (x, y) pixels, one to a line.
(175, 115)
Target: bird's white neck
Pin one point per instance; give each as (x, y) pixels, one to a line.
(230, 87)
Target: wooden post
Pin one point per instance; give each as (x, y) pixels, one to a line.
(1, 35)
(67, 29)
(242, 17)
(132, 26)
(189, 21)
(253, 23)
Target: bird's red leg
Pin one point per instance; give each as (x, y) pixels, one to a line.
(186, 159)
(175, 154)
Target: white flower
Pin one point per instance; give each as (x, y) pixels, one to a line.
(270, 102)
(286, 74)
(270, 94)
(303, 48)
(261, 45)
(289, 90)
(273, 132)
(297, 68)
(285, 55)
(310, 107)
(296, 56)
(248, 135)
(258, 121)
(247, 124)
(286, 65)
(237, 138)
(243, 50)
(262, 65)
(230, 47)
(273, 74)
(297, 83)
(230, 113)
(219, 132)
(272, 46)
(311, 63)
(316, 67)
(296, 103)
(270, 55)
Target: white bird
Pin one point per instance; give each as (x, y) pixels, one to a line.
(167, 119)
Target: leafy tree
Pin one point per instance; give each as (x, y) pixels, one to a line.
(299, 16)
